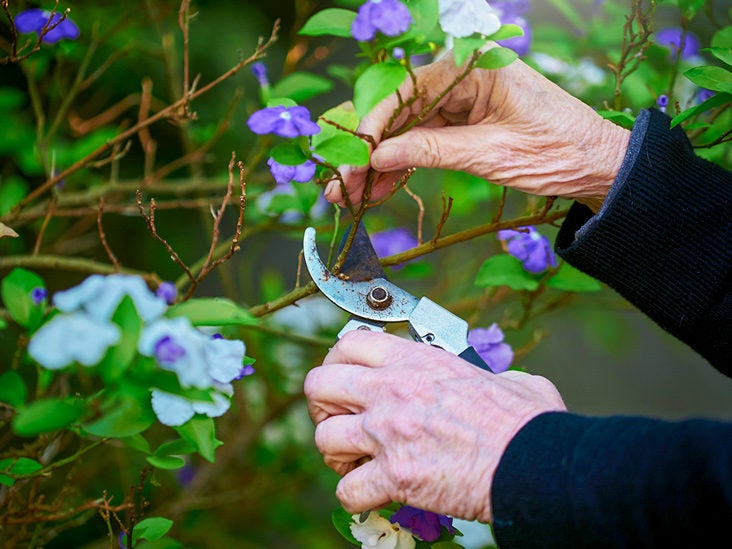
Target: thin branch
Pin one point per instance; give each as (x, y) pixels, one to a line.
(103, 237)
(150, 222)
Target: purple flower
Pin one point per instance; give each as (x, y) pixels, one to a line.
(424, 524)
(38, 294)
(398, 53)
(672, 38)
(283, 121)
(511, 13)
(34, 20)
(488, 343)
(245, 371)
(167, 291)
(530, 247)
(259, 70)
(662, 102)
(167, 351)
(390, 17)
(703, 94)
(393, 241)
(283, 174)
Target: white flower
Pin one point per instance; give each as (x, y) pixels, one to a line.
(174, 410)
(461, 18)
(100, 296)
(376, 532)
(69, 338)
(178, 347)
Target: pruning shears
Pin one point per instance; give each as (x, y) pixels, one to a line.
(362, 289)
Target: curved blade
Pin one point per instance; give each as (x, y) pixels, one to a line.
(361, 263)
(353, 295)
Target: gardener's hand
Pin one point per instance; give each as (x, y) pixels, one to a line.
(511, 126)
(434, 425)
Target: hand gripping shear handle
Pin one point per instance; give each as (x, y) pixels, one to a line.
(362, 290)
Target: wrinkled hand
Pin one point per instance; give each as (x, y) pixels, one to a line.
(511, 126)
(434, 425)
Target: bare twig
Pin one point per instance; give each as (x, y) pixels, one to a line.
(446, 207)
(420, 214)
(103, 237)
(150, 222)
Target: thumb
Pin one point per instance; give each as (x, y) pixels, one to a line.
(451, 148)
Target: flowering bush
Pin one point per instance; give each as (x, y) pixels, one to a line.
(159, 165)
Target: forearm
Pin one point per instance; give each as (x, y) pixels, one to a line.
(662, 239)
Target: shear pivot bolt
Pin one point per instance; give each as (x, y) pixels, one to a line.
(379, 298)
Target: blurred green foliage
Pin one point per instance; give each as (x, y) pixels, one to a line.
(90, 123)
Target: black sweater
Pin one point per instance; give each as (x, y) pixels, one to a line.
(663, 240)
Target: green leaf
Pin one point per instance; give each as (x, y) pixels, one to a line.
(201, 433)
(623, 119)
(301, 86)
(723, 54)
(118, 358)
(425, 15)
(137, 442)
(16, 291)
(289, 154)
(343, 115)
(496, 58)
(711, 77)
(122, 417)
(506, 32)
(213, 311)
(47, 415)
(332, 21)
(169, 463)
(505, 270)
(464, 48)
(344, 149)
(281, 101)
(569, 279)
(714, 101)
(12, 389)
(151, 529)
(17, 467)
(376, 83)
(342, 521)
(723, 38)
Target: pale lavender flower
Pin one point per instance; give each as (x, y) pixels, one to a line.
(424, 524)
(461, 18)
(283, 121)
(489, 344)
(530, 247)
(34, 20)
(100, 295)
(283, 174)
(671, 38)
(398, 53)
(390, 17)
(70, 338)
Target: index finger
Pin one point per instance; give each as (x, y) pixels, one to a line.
(366, 348)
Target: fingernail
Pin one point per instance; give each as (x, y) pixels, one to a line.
(332, 191)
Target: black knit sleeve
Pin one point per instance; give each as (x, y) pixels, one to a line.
(571, 481)
(663, 240)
